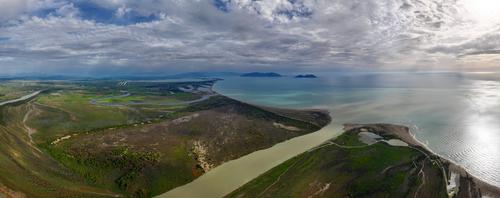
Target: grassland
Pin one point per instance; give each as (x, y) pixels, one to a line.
(13, 90)
(31, 172)
(346, 167)
(102, 138)
(140, 139)
(175, 151)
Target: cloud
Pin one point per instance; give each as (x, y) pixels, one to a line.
(16, 9)
(12, 8)
(170, 35)
(68, 10)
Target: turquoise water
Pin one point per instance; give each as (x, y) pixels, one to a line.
(455, 115)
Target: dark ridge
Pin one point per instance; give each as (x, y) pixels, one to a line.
(306, 76)
(260, 74)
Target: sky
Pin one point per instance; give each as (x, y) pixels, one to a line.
(168, 36)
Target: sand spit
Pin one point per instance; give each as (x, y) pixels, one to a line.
(468, 186)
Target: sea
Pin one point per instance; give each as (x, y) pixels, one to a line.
(455, 114)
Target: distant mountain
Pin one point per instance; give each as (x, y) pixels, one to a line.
(261, 74)
(188, 75)
(44, 77)
(306, 76)
(204, 74)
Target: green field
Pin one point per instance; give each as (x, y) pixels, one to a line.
(350, 168)
(13, 90)
(100, 138)
(30, 170)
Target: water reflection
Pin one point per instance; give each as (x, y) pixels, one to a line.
(458, 117)
(480, 150)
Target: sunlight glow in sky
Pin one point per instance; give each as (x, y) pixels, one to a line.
(128, 36)
(485, 12)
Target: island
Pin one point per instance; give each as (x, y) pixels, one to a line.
(261, 74)
(306, 76)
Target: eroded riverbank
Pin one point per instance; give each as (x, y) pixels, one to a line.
(229, 176)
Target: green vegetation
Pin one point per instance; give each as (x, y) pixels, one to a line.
(119, 169)
(349, 140)
(350, 168)
(253, 111)
(72, 112)
(27, 169)
(178, 162)
(9, 91)
(102, 138)
(147, 99)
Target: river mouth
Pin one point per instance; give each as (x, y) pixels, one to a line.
(452, 116)
(231, 175)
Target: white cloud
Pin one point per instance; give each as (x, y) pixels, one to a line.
(12, 8)
(68, 10)
(325, 34)
(122, 11)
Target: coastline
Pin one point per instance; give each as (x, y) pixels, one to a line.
(476, 187)
(208, 92)
(486, 189)
(473, 184)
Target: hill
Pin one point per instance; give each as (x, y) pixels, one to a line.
(135, 139)
(306, 76)
(260, 74)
